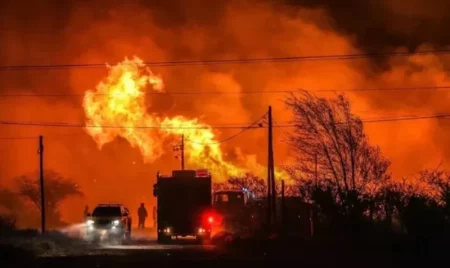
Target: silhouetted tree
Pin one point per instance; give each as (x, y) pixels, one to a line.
(392, 198)
(249, 181)
(438, 182)
(326, 131)
(437, 192)
(255, 185)
(326, 128)
(57, 188)
(10, 207)
(9, 200)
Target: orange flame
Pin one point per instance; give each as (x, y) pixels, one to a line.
(120, 101)
(117, 108)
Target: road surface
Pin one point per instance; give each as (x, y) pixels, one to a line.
(144, 251)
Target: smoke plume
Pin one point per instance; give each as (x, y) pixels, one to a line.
(69, 32)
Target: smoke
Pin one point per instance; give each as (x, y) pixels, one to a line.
(56, 32)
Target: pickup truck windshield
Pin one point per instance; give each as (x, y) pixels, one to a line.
(106, 212)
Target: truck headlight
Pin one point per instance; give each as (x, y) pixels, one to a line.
(116, 222)
(89, 222)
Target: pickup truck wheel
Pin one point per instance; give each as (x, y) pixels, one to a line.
(92, 238)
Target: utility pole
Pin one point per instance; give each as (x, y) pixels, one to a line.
(41, 180)
(269, 173)
(272, 168)
(283, 212)
(179, 149)
(271, 190)
(182, 152)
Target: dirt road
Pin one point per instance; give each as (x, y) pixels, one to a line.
(144, 251)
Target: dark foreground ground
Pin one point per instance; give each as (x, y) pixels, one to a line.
(145, 252)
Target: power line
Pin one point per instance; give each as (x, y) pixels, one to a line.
(276, 125)
(236, 134)
(381, 89)
(380, 120)
(437, 116)
(250, 126)
(159, 93)
(217, 142)
(18, 138)
(240, 92)
(36, 137)
(370, 119)
(232, 61)
(78, 125)
(153, 93)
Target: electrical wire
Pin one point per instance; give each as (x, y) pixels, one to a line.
(78, 125)
(232, 61)
(217, 142)
(18, 138)
(234, 135)
(250, 126)
(240, 92)
(381, 120)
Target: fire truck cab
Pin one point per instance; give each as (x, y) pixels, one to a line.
(233, 208)
(183, 205)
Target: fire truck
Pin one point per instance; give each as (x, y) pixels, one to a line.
(242, 214)
(184, 205)
(235, 214)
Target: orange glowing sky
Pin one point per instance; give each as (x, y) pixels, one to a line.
(124, 170)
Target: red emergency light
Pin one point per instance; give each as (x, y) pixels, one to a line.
(211, 218)
(201, 173)
(208, 219)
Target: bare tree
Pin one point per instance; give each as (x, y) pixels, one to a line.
(253, 183)
(437, 187)
(326, 131)
(57, 188)
(437, 182)
(10, 200)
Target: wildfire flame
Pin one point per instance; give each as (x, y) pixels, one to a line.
(118, 108)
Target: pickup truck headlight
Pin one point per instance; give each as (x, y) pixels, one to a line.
(89, 222)
(116, 222)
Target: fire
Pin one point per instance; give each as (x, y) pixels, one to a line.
(119, 100)
(117, 108)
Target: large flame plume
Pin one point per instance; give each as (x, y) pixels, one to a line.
(118, 108)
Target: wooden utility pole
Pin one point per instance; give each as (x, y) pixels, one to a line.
(272, 168)
(182, 152)
(179, 149)
(41, 180)
(269, 173)
(283, 212)
(269, 191)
